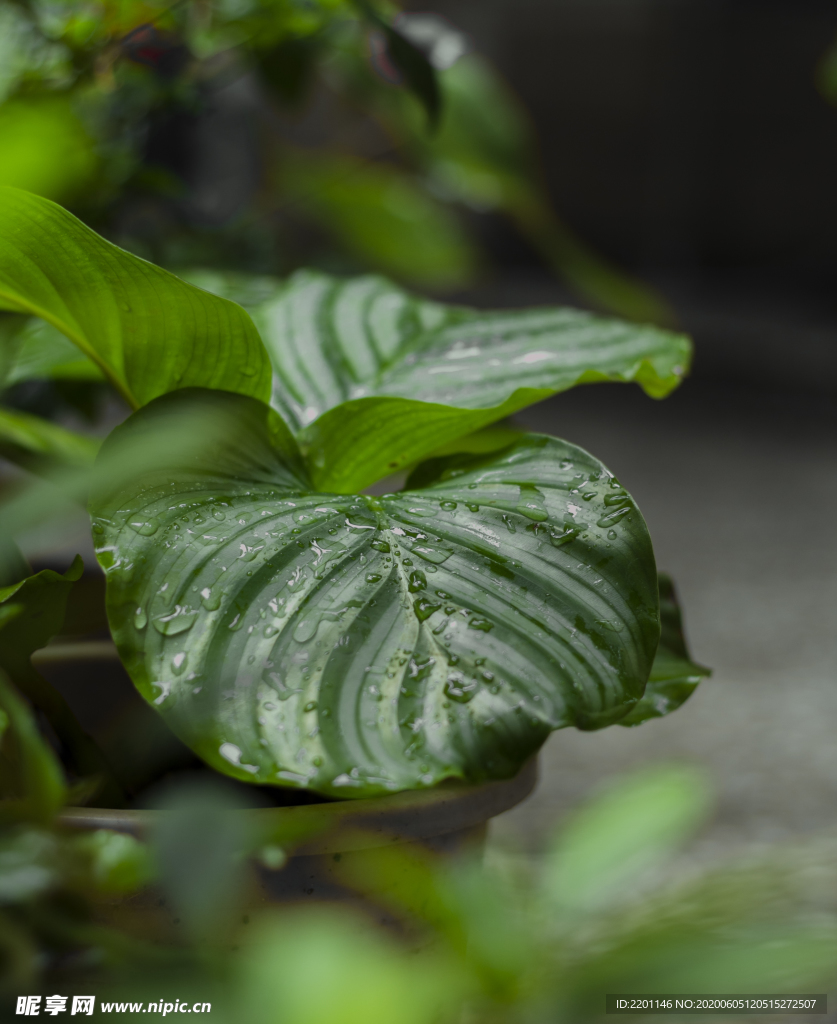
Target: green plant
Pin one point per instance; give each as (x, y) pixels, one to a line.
(295, 631)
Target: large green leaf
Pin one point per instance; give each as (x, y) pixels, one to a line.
(148, 331)
(356, 645)
(377, 379)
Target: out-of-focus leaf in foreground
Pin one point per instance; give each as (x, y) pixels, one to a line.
(316, 965)
(616, 838)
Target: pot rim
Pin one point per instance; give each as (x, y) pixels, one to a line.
(346, 825)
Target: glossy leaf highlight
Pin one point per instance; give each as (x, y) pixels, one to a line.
(357, 645)
(375, 379)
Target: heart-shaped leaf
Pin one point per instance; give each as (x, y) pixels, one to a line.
(357, 645)
(376, 379)
(148, 331)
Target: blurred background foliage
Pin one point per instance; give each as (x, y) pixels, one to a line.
(266, 134)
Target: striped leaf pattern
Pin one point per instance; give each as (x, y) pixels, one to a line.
(356, 645)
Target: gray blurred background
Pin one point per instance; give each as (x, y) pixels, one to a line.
(688, 141)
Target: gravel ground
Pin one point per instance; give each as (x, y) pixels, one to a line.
(739, 489)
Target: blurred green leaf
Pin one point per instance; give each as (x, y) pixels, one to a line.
(39, 350)
(324, 964)
(674, 676)
(382, 216)
(31, 778)
(45, 147)
(42, 599)
(13, 569)
(35, 443)
(618, 837)
(200, 842)
(220, 616)
(149, 332)
(763, 922)
(28, 864)
(111, 862)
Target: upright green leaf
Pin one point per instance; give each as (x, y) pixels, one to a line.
(357, 645)
(377, 379)
(147, 331)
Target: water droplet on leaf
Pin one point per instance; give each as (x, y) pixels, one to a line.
(431, 554)
(306, 629)
(424, 608)
(178, 621)
(461, 690)
(418, 581)
(484, 625)
(531, 503)
(210, 601)
(144, 527)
